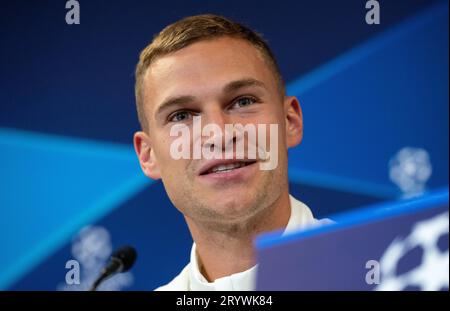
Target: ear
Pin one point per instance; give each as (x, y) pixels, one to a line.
(146, 155)
(294, 121)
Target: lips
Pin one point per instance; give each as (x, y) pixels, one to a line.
(223, 166)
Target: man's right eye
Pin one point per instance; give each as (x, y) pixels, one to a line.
(180, 116)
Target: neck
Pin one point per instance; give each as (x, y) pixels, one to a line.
(224, 252)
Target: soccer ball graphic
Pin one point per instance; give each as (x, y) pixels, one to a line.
(433, 271)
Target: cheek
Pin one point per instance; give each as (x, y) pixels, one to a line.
(162, 153)
(174, 168)
(276, 130)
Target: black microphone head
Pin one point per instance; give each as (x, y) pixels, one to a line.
(127, 256)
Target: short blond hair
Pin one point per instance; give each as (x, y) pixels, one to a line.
(190, 30)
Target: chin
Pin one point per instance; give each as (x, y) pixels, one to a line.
(231, 204)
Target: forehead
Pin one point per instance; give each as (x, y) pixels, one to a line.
(203, 68)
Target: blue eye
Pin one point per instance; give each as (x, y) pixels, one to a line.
(244, 102)
(180, 116)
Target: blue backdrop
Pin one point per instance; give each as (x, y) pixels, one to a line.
(67, 117)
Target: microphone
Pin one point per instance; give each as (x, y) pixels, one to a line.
(121, 260)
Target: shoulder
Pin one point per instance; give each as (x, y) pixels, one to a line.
(179, 283)
(303, 217)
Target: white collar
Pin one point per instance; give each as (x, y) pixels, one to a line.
(301, 216)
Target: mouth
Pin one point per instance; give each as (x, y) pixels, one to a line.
(223, 168)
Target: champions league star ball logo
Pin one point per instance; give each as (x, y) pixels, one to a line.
(433, 271)
(410, 169)
(92, 248)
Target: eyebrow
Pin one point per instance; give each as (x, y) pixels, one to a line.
(239, 84)
(232, 86)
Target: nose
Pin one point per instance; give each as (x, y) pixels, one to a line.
(216, 117)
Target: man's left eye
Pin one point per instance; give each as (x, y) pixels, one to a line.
(243, 102)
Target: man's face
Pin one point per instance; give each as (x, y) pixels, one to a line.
(224, 81)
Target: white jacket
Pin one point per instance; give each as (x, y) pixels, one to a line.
(190, 277)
